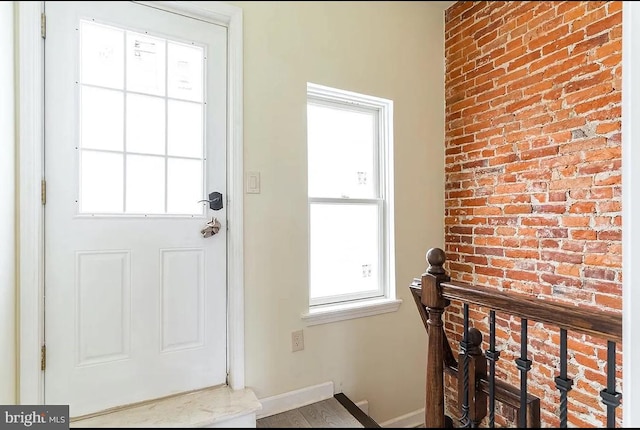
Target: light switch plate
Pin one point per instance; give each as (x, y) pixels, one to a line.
(253, 182)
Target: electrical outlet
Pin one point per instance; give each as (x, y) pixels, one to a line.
(297, 341)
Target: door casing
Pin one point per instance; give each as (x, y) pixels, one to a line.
(31, 167)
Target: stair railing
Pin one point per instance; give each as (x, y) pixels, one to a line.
(478, 389)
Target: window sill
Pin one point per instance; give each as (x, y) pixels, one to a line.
(345, 311)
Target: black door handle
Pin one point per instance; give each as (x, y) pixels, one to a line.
(215, 201)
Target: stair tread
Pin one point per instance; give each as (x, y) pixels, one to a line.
(335, 412)
(193, 409)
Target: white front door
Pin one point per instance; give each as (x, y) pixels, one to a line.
(135, 137)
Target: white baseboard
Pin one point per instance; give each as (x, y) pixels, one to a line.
(410, 420)
(295, 399)
(316, 393)
(364, 406)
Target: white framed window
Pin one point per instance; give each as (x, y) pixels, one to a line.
(350, 195)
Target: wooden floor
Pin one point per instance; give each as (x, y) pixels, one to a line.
(330, 413)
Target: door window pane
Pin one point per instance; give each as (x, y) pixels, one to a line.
(185, 187)
(145, 64)
(341, 152)
(101, 55)
(145, 184)
(185, 64)
(101, 179)
(145, 124)
(149, 116)
(102, 119)
(185, 129)
(344, 249)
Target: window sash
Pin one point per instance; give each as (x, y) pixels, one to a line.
(382, 266)
(378, 154)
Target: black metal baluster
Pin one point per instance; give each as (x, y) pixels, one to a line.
(562, 382)
(492, 356)
(464, 346)
(610, 397)
(524, 365)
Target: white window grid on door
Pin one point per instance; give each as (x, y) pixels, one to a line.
(127, 167)
(325, 284)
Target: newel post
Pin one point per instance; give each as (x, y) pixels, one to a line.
(435, 304)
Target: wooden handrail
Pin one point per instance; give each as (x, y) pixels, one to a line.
(601, 324)
(505, 393)
(433, 293)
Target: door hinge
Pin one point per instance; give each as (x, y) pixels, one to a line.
(43, 357)
(43, 192)
(43, 25)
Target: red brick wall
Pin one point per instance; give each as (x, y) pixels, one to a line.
(533, 175)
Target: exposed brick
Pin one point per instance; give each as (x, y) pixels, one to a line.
(592, 43)
(533, 177)
(609, 206)
(568, 270)
(521, 275)
(583, 234)
(556, 208)
(539, 221)
(583, 207)
(489, 271)
(575, 221)
(599, 273)
(592, 168)
(615, 235)
(607, 260)
(563, 42)
(483, 230)
(610, 302)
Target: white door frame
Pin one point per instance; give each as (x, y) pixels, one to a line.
(630, 211)
(31, 165)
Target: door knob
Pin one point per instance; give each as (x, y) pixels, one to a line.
(215, 201)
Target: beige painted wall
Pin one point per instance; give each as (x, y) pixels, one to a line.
(7, 209)
(390, 49)
(387, 49)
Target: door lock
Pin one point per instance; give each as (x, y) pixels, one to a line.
(215, 201)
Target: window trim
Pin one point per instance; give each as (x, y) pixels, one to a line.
(384, 300)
